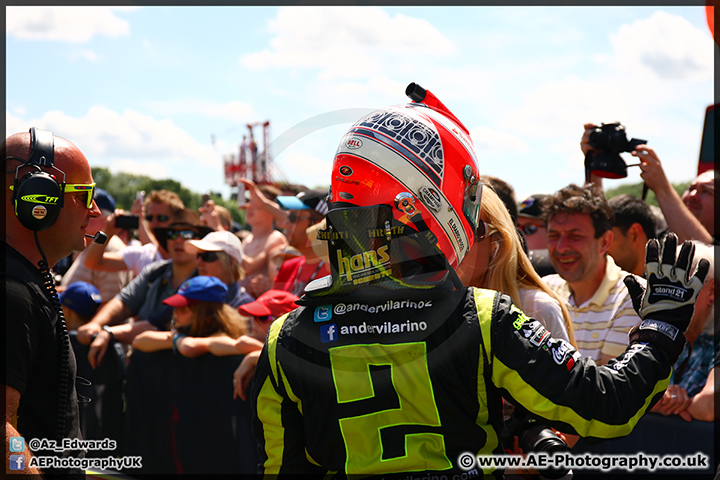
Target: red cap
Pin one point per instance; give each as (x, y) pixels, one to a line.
(275, 303)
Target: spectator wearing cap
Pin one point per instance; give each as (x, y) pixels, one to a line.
(144, 295)
(201, 322)
(270, 306)
(262, 241)
(108, 283)
(80, 301)
(534, 234)
(220, 254)
(157, 211)
(530, 223)
(633, 226)
(305, 210)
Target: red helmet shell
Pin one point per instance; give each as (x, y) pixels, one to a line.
(420, 162)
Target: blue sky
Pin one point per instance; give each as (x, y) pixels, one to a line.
(145, 90)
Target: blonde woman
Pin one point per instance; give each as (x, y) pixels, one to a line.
(497, 261)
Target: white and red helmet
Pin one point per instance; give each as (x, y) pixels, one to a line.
(419, 159)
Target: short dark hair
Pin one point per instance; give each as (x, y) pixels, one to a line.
(587, 199)
(628, 210)
(506, 193)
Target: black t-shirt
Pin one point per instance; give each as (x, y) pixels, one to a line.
(33, 355)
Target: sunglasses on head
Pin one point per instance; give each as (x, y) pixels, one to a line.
(160, 218)
(184, 234)
(529, 229)
(484, 230)
(208, 257)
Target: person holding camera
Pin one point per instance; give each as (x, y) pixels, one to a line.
(391, 367)
(691, 216)
(48, 204)
(107, 282)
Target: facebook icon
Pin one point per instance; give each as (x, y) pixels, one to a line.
(17, 462)
(328, 333)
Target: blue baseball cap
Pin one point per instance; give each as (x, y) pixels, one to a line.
(82, 297)
(198, 289)
(104, 200)
(307, 200)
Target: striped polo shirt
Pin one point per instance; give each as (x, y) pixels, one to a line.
(601, 324)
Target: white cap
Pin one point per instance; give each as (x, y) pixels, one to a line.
(222, 241)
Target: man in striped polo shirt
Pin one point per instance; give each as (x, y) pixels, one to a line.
(579, 224)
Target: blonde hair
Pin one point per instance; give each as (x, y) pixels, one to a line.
(225, 217)
(209, 318)
(510, 267)
(237, 272)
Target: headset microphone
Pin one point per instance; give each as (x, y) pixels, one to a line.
(99, 238)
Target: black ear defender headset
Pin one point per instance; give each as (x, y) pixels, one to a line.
(38, 197)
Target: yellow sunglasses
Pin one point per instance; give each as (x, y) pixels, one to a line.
(79, 187)
(82, 187)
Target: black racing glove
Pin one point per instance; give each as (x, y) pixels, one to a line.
(666, 306)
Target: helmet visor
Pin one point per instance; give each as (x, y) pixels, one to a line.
(367, 245)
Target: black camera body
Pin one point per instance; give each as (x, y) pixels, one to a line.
(611, 137)
(127, 221)
(532, 435)
(608, 141)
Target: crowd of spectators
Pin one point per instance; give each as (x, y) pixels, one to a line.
(183, 281)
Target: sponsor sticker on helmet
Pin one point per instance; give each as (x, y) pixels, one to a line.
(353, 143)
(431, 197)
(345, 170)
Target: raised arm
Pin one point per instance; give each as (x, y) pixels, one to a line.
(97, 258)
(678, 217)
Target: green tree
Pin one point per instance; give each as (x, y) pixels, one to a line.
(635, 189)
(125, 186)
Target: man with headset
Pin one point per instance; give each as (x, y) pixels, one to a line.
(48, 203)
(392, 368)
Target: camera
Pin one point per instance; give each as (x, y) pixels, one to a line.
(127, 221)
(611, 137)
(533, 436)
(609, 140)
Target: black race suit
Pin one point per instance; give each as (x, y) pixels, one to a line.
(358, 385)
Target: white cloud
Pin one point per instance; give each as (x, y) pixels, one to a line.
(151, 169)
(107, 136)
(490, 141)
(68, 24)
(308, 170)
(345, 42)
(667, 45)
(233, 110)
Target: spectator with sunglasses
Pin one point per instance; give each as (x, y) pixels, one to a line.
(144, 295)
(269, 306)
(534, 234)
(220, 254)
(157, 212)
(304, 210)
(108, 283)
